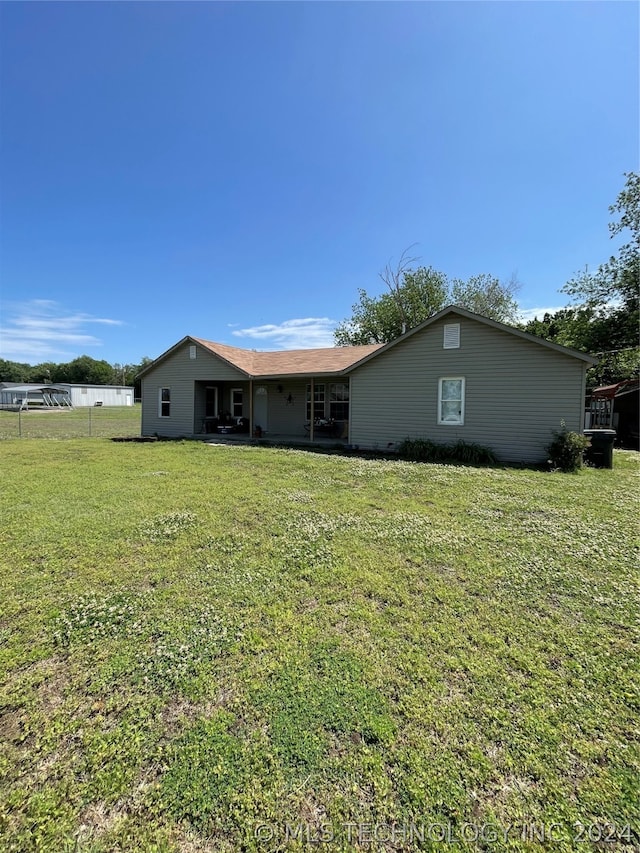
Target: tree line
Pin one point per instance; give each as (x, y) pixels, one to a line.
(83, 370)
(603, 319)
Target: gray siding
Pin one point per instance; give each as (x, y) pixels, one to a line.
(516, 392)
(180, 373)
(286, 418)
(289, 418)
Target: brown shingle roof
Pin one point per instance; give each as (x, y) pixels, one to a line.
(240, 358)
(290, 362)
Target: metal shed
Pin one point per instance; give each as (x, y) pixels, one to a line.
(35, 396)
(99, 395)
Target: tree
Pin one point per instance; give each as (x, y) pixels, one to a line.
(486, 295)
(124, 374)
(577, 328)
(626, 268)
(414, 295)
(43, 372)
(614, 288)
(604, 322)
(583, 328)
(14, 371)
(83, 370)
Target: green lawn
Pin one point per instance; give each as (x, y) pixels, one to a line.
(90, 421)
(214, 648)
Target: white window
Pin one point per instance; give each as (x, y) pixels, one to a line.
(451, 400)
(164, 402)
(451, 336)
(236, 402)
(318, 401)
(192, 352)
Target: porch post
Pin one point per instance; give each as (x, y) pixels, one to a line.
(312, 410)
(250, 408)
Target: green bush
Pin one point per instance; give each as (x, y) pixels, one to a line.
(420, 450)
(471, 454)
(424, 450)
(566, 450)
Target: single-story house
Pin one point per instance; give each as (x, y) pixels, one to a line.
(456, 376)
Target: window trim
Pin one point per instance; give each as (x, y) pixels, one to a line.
(339, 403)
(462, 380)
(162, 402)
(319, 401)
(234, 403)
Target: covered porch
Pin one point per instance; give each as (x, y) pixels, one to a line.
(308, 410)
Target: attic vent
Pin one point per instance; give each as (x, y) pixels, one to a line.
(192, 352)
(451, 336)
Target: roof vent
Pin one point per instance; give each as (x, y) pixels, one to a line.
(451, 336)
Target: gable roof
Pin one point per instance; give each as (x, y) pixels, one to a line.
(339, 360)
(462, 312)
(281, 363)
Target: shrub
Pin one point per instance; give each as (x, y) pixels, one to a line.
(420, 450)
(566, 449)
(471, 454)
(424, 450)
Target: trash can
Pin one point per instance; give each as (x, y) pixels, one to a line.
(600, 454)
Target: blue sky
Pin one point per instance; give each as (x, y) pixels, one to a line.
(236, 171)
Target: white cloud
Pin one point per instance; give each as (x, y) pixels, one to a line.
(42, 330)
(527, 314)
(307, 333)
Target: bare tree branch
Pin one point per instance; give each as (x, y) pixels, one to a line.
(394, 279)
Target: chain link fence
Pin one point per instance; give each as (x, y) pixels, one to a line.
(89, 422)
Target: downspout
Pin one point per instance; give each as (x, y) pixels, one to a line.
(312, 410)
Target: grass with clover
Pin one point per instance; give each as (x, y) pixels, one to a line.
(195, 640)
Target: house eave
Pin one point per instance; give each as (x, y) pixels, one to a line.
(314, 374)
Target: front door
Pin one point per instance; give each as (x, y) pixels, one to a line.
(211, 402)
(260, 407)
